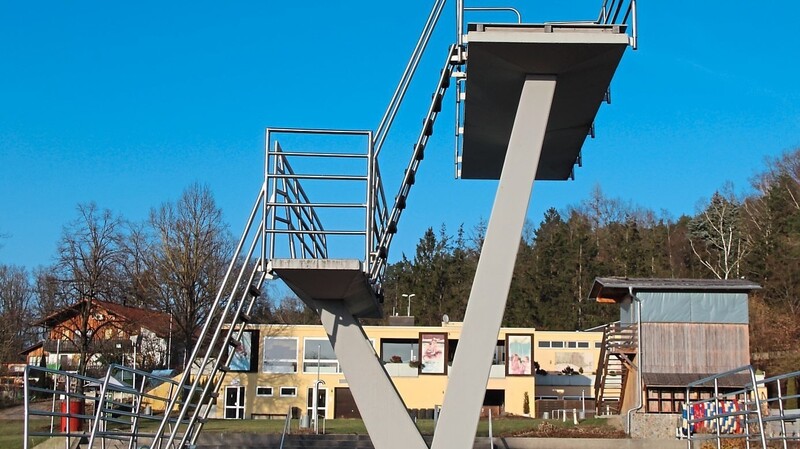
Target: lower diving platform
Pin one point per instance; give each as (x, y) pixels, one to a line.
(330, 279)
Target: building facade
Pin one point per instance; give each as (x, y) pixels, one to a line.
(106, 332)
(276, 367)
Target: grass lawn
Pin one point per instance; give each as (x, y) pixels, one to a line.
(11, 431)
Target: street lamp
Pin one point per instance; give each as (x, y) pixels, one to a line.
(405, 295)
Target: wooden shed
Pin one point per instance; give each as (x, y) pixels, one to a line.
(675, 331)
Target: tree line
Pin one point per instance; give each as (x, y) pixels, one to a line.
(756, 236)
(175, 259)
(174, 262)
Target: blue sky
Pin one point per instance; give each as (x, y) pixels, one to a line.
(126, 104)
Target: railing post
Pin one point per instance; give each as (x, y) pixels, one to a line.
(460, 23)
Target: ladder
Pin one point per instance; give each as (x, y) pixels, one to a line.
(388, 226)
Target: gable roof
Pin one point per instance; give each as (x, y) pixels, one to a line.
(157, 322)
(617, 288)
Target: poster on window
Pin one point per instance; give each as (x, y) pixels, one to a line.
(433, 353)
(245, 353)
(519, 355)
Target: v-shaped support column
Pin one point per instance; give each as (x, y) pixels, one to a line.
(466, 388)
(383, 411)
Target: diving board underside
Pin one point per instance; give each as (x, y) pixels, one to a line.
(330, 279)
(583, 58)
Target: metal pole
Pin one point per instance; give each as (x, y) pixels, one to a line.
(169, 343)
(55, 381)
(409, 296)
(314, 403)
(460, 22)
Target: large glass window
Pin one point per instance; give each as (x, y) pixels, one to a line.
(318, 354)
(280, 355)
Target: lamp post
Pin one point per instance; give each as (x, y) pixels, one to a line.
(406, 295)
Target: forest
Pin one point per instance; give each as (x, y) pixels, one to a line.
(175, 259)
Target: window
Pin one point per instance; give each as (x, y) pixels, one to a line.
(583, 344)
(264, 391)
(280, 355)
(288, 392)
(557, 344)
(572, 344)
(544, 344)
(318, 354)
(499, 357)
(399, 350)
(598, 344)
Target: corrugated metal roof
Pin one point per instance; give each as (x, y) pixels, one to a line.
(617, 288)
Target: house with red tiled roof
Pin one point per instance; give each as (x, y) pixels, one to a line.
(108, 333)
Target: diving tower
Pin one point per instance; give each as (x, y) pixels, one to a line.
(526, 99)
(527, 96)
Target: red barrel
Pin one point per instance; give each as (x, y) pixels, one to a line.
(71, 423)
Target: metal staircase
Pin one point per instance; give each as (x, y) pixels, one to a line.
(387, 228)
(617, 354)
(115, 412)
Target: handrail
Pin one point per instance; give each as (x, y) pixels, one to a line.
(411, 67)
(213, 315)
(715, 414)
(287, 426)
(598, 380)
(297, 218)
(496, 9)
(386, 237)
(610, 14)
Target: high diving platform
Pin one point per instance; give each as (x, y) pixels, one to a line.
(581, 57)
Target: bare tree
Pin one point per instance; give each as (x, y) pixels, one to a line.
(15, 317)
(184, 263)
(716, 235)
(87, 269)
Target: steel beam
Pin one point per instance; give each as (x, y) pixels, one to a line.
(463, 399)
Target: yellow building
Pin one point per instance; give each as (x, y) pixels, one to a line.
(276, 368)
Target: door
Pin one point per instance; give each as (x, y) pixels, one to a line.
(345, 405)
(234, 402)
(322, 401)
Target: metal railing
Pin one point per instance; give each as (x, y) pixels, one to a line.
(716, 410)
(294, 222)
(216, 342)
(101, 409)
(287, 427)
(621, 12)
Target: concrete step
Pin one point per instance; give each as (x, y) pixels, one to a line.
(261, 441)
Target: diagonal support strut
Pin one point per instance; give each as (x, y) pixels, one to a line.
(470, 373)
(383, 411)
